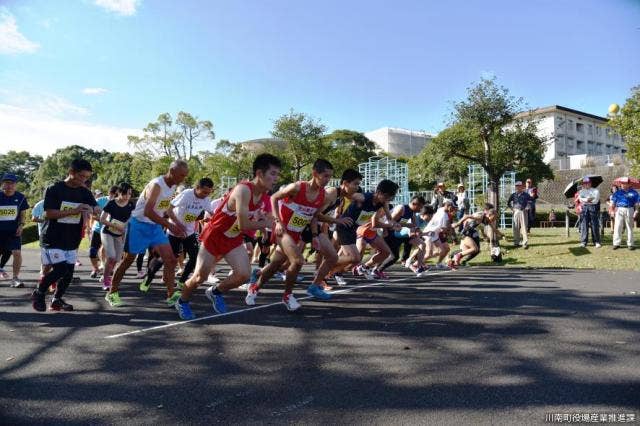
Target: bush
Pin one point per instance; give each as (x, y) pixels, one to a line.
(543, 216)
(30, 233)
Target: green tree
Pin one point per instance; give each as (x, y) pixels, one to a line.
(347, 149)
(627, 124)
(487, 129)
(192, 131)
(22, 164)
(303, 137)
(432, 165)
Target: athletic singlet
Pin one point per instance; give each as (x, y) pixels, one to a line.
(162, 203)
(226, 221)
(297, 212)
(361, 213)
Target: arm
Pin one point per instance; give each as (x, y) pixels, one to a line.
(240, 199)
(152, 198)
(22, 217)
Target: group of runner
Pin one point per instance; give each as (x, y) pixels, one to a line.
(339, 222)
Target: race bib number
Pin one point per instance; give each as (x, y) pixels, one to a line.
(364, 217)
(298, 222)
(189, 218)
(164, 204)
(73, 219)
(8, 213)
(234, 231)
(114, 230)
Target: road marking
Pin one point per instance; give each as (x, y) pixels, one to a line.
(255, 308)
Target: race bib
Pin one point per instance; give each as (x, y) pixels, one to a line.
(234, 231)
(164, 204)
(115, 222)
(71, 220)
(298, 222)
(189, 217)
(8, 213)
(364, 217)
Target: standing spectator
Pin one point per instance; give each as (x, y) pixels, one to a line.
(440, 194)
(625, 200)
(518, 202)
(611, 207)
(531, 208)
(13, 205)
(462, 201)
(589, 217)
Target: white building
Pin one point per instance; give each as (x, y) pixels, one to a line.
(399, 142)
(569, 132)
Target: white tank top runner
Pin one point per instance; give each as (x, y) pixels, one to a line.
(162, 203)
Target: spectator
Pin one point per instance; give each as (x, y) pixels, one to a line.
(611, 207)
(518, 202)
(589, 217)
(625, 200)
(462, 201)
(531, 208)
(13, 205)
(552, 216)
(440, 194)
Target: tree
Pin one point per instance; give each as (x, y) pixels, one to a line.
(348, 148)
(627, 124)
(487, 129)
(192, 130)
(22, 164)
(303, 138)
(431, 166)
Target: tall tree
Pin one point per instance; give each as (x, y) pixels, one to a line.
(303, 138)
(487, 129)
(193, 130)
(627, 124)
(22, 164)
(432, 165)
(348, 148)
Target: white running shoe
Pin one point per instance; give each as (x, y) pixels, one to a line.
(340, 280)
(368, 274)
(598, 245)
(252, 295)
(408, 264)
(290, 302)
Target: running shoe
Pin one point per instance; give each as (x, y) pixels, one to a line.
(37, 301)
(17, 283)
(407, 263)
(113, 299)
(173, 299)
(280, 276)
(340, 280)
(179, 272)
(3, 275)
(252, 295)
(317, 292)
(78, 263)
(379, 275)
(213, 279)
(290, 302)
(180, 285)
(441, 267)
(356, 271)
(457, 257)
(217, 300)
(60, 305)
(141, 274)
(420, 272)
(184, 310)
(106, 283)
(368, 274)
(93, 274)
(145, 285)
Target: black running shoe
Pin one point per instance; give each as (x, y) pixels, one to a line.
(37, 301)
(60, 305)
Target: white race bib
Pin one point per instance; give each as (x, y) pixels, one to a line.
(8, 213)
(72, 220)
(115, 222)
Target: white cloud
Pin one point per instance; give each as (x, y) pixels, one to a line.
(11, 40)
(121, 7)
(42, 103)
(94, 91)
(41, 134)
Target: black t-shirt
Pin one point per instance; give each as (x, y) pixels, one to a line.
(120, 214)
(64, 233)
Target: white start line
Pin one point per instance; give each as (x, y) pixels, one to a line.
(255, 308)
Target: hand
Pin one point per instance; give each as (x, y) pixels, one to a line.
(279, 229)
(344, 221)
(83, 208)
(177, 229)
(19, 230)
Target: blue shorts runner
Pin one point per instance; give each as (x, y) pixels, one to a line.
(142, 235)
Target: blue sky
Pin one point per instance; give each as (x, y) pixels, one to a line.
(96, 70)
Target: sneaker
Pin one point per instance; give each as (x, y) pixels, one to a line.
(598, 245)
(217, 300)
(356, 271)
(60, 305)
(380, 275)
(363, 270)
(141, 274)
(407, 263)
(290, 302)
(179, 272)
(420, 272)
(173, 299)
(180, 285)
(441, 267)
(113, 299)
(340, 280)
(252, 295)
(213, 279)
(106, 283)
(583, 245)
(17, 283)
(184, 310)
(325, 286)
(315, 291)
(37, 301)
(78, 263)
(144, 286)
(93, 275)
(526, 246)
(3, 275)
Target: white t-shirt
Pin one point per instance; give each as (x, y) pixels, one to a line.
(214, 206)
(437, 224)
(187, 208)
(163, 201)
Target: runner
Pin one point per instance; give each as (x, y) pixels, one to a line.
(187, 207)
(13, 205)
(66, 204)
(436, 231)
(96, 251)
(241, 210)
(366, 211)
(38, 216)
(114, 219)
(470, 241)
(426, 213)
(300, 203)
(144, 230)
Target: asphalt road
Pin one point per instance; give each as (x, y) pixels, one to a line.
(477, 345)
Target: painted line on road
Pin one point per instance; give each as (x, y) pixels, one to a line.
(255, 308)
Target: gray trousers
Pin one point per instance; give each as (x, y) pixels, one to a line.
(519, 227)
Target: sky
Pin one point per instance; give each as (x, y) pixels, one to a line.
(91, 72)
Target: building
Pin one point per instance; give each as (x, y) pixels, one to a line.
(259, 145)
(399, 142)
(570, 132)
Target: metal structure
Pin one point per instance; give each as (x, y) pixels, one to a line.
(477, 191)
(379, 168)
(226, 182)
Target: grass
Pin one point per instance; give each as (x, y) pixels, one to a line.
(548, 248)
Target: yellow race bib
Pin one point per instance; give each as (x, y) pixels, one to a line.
(8, 213)
(71, 220)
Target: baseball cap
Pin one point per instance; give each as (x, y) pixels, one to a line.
(461, 185)
(10, 177)
(518, 183)
(586, 179)
(624, 179)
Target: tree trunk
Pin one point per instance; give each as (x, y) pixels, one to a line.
(494, 192)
